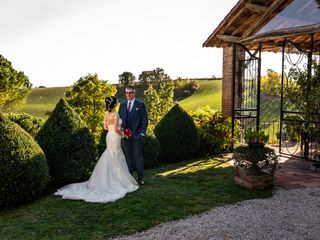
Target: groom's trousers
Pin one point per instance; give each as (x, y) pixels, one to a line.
(133, 153)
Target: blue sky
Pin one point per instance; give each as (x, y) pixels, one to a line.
(56, 42)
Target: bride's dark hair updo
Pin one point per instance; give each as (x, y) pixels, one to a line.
(110, 103)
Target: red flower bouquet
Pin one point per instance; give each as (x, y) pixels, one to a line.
(127, 132)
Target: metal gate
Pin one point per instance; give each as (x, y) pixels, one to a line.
(246, 89)
(297, 137)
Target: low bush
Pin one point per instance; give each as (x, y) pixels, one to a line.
(215, 131)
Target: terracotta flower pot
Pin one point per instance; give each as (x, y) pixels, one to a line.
(244, 178)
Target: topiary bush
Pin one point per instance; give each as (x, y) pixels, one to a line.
(31, 124)
(23, 166)
(150, 150)
(177, 135)
(69, 146)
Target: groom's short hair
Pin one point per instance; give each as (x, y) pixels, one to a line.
(131, 87)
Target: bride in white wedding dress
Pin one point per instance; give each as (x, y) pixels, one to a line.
(110, 179)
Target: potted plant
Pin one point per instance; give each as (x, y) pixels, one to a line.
(255, 138)
(255, 164)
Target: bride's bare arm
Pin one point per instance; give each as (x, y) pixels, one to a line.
(116, 125)
(105, 125)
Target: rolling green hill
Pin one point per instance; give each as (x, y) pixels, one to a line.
(208, 94)
(41, 100)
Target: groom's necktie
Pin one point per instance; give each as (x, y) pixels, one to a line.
(129, 106)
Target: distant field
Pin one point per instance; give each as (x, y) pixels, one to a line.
(41, 100)
(208, 94)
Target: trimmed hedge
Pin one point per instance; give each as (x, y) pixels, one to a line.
(23, 166)
(150, 150)
(69, 146)
(29, 123)
(177, 135)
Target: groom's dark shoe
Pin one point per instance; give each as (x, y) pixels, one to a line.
(141, 182)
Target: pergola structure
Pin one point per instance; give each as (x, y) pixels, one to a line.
(291, 27)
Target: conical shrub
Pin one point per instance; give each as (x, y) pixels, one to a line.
(177, 135)
(23, 166)
(69, 146)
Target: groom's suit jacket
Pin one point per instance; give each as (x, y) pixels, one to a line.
(136, 119)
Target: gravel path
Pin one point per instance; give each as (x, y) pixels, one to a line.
(291, 215)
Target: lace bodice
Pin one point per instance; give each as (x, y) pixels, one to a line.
(113, 139)
(109, 121)
(111, 127)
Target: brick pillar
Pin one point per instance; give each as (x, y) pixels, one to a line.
(227, 82)
(227, 78)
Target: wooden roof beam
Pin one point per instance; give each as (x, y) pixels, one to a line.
(244, 25)
(229, 38)
(256, 8)
(234, 18)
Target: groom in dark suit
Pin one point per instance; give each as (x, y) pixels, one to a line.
(135, 117)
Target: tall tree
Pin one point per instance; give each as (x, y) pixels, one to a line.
(14, 87)
(159, 102)
(271, 84)
(87, 98)
(126, 78)
(160, 75)
(155, 76)
(146, 77)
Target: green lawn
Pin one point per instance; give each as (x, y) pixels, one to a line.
(41, 100)
(171, 192)
(208, 94)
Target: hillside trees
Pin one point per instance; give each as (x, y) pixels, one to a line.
(155, 76)
(14, 87)
(126, 78)
(87, 97)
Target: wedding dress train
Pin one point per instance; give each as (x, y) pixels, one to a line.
(110, 179)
